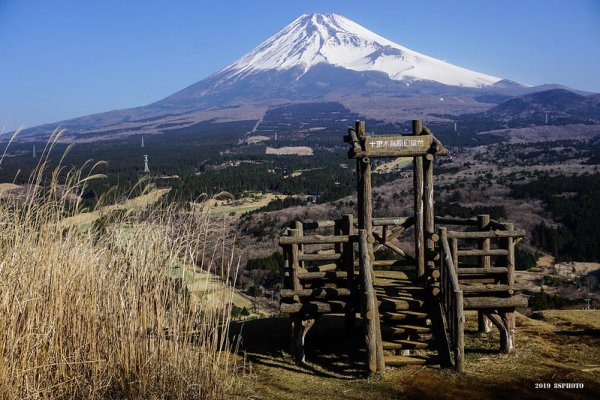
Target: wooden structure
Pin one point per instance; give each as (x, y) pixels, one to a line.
(410, 305)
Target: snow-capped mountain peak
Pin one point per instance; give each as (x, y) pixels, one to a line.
(312, 39)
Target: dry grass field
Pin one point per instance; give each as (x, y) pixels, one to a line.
(99, 314)
(562, 346)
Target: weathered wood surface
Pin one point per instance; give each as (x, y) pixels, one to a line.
(318, 224)
(482, 271)
(347, 228)
(400, 344)
(319, 257)
(429, 223)
(316, 293)
(397, 145)
(300, 327)
(295, 262)
(460, 332)
(418, 205)
(475, 303)
(381, 221)
(317, 239)
(315, 307)
(323, 275)
(370, 310)
(483, 288)
(484, 253)
(487, 234)
(484, 221)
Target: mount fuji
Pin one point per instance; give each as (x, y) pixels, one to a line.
(316, 58)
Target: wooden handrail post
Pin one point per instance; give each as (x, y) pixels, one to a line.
(429, 221)
(347, 228)
(417, 126)
(483, 222)
(460, 333)
(454, 253)
(300, 229)
(369, 304)
(510, 258)
(294, 262)
(484, 325)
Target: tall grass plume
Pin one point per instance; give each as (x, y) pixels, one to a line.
(96, 311)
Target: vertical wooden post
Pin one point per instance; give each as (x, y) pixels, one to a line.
(347, 228)
(369, 308)
(428, 210)
(484, 325)
(367, 198)
(295, 263)
(418, 208)
(510, 259)
(300, 228)
(300, 327)
(454, 250)
(296, 319)
(361, 134)
(507, 343)
(460, 333)
(483, 221)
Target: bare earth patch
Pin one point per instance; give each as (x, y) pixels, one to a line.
(295, 150)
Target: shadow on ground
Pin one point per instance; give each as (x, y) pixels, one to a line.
(335, 365)
(331, 349)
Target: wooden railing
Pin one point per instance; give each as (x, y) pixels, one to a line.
(452, 303)
(505, 237)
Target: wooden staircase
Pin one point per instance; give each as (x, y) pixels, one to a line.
(405, 319)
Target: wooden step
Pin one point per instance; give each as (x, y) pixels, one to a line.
(400, 296)
(482, 271)
(323, 275)
(400, 304)
(319, 293)
(332, 306)
(398, 361)
(401, 344)
(483, 288)
(386, 283)
(402, 315)
(395, 275)
(400, 288)
(322, 268)
(402, 329)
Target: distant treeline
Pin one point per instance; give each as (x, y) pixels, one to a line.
(456, 210)
(573, 202)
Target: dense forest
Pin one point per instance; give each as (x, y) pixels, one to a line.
(572, 202)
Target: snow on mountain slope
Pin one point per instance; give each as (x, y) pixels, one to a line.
(330, 38)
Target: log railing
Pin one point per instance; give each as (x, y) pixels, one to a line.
(452, 304)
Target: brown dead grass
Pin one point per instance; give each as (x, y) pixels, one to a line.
(546, 352)
(98, 314)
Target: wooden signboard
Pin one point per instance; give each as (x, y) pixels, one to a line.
(397, 145)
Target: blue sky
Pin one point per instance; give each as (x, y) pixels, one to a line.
(61, 59)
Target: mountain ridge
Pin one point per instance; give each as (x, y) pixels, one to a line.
(317, 57)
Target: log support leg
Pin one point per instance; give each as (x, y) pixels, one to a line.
(504, 320)
(301, 324)
(508, 318)
(484, 325)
